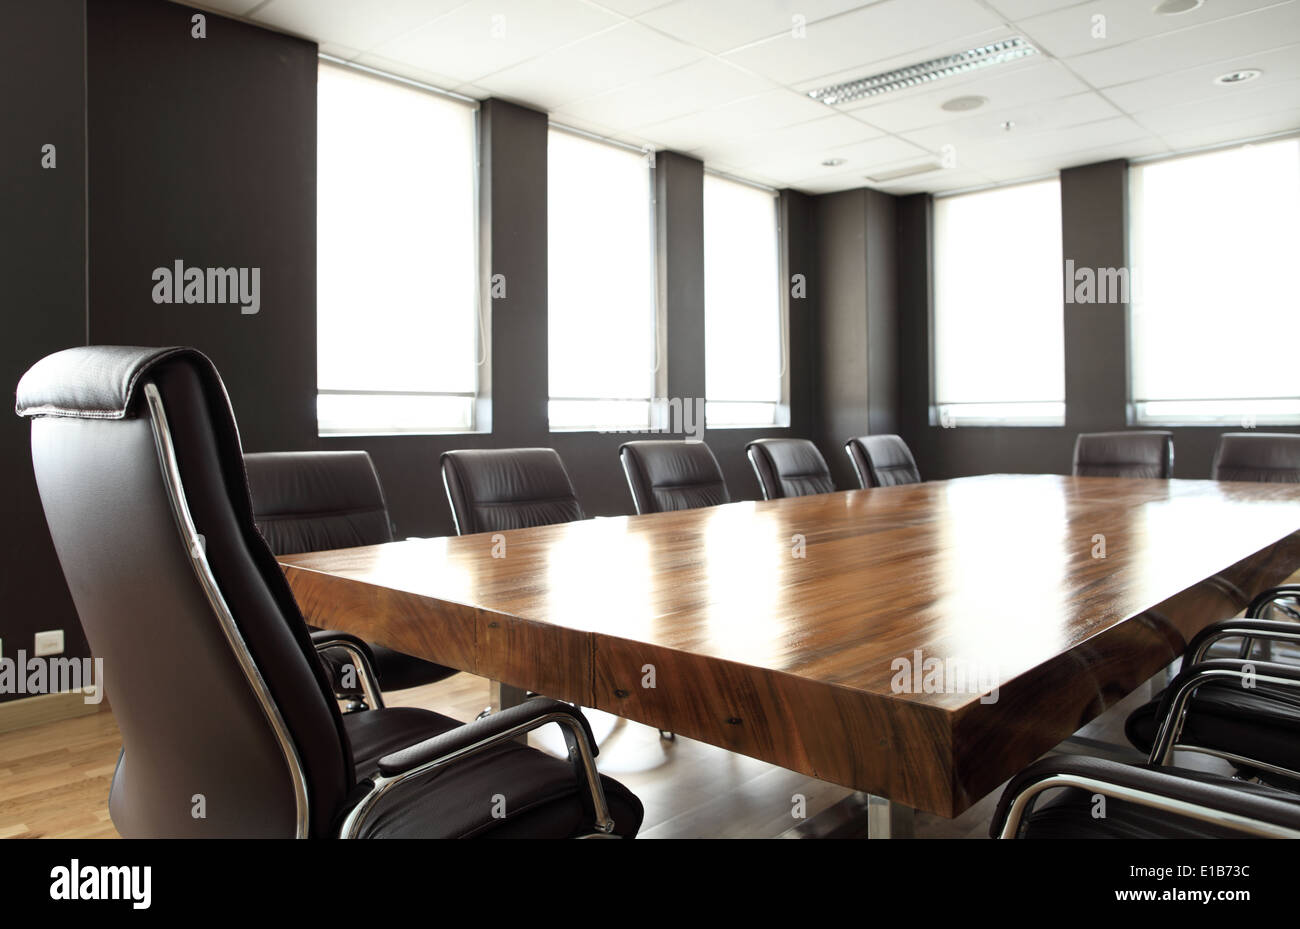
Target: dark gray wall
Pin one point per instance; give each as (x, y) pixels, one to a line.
(1094, 231)
(858, 328)
(204, 150)
(42, 264)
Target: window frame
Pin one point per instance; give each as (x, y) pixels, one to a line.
(658, 316)
(1235, 412)
(781, 406)
(1015, 414)
(479, 407)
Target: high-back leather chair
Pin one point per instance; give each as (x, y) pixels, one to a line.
(882, 461)
(666, 475)
(494, 489)
(315, 501)
(1124, 454)
(789, 468)
(1273, 457)
(209, 666)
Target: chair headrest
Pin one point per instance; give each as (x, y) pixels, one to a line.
(92, 381)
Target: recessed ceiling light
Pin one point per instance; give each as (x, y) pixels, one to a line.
(1174, 7)
(962, 104)
(925, 71)
(832, 162)
(1238, 77)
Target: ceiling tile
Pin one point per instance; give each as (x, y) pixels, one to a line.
(1036, 81)
(720, 25)
(1194, 84)
(1022, 9)
(985, 127)
(356, 25)
(804, 140)
(1076, 31)
(591, 66)
(859, 158)
(1236, 130)
(1272, 27)
(699, 86)
(485, 36)
(631, 7)
(1248, 102)
(402, 69)
(855, 40)
(771, 110)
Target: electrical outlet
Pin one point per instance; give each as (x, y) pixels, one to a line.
(49, 643)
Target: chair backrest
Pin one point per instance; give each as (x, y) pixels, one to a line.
(1273, 457)
(1124, 454)
(212, 677)
(789, 468)
(882, 461)
(667, 475)
(492, 489)
(312, 501)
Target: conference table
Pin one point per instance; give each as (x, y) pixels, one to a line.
(919, 643)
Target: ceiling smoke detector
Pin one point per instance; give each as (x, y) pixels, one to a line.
(832, 162)
(922, 73)
(1238, 77)
(962, 104)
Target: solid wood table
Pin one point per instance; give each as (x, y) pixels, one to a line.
(922, 643)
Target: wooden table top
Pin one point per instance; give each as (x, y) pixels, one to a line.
(765, 617)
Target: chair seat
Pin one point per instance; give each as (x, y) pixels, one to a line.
(395, 670)
(1263, 723)
(542, 797)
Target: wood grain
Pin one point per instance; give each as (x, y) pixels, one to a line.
(775, 628)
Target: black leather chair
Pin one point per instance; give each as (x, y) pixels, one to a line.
(212, 674)
(882, 461)
(666, 475)
(1124, 454)
(1256, 727)
(495, 489)
(1141, 802)
(1273, 457)
(789, 468)
(313, 501)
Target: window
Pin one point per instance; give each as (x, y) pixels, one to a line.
(1213, 247)
(398, 336)
(999, 330)
(601, 295)
(744, 343)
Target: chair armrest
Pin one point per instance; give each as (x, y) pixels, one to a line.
(472, 738)
(1248, 808)
(1249, 629)
(1265, 597)
(362, 657)
(1174, 707)
(503, 724)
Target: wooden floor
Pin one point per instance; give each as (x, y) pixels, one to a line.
(54, 778)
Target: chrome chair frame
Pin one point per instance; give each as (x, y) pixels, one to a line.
(580, 755)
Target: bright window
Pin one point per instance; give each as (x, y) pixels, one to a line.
(398, 341)
(999, 338)
(601, 293)
(744, 342)
(1215, 312)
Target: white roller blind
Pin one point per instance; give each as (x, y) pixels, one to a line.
(396, 230)
(1215, 312)
(999, 352)
(742, 300)
(601, 298)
